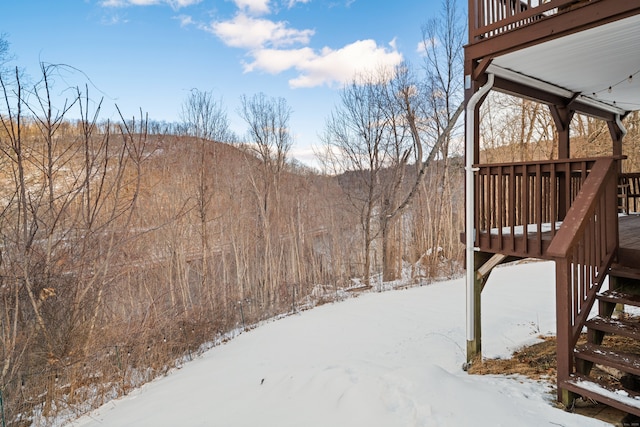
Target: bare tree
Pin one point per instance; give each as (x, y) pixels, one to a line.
(206, 120)
(205, 117)
(413, 125)
(4, 49)
(442, 39)
(67, 204)
(376, 134)
(270, 140)
(355, 135)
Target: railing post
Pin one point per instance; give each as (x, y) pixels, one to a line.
(564, 348)
(473, 19)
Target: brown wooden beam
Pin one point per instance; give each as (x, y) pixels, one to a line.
(534, 94)
(481, 69)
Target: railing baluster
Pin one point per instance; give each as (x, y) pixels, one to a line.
(512, 205)
(478, 208)
(495, 17)
(527, 198)
(538, 204)
(600, 242)
(553, 199)
(500, 206)
(494, 206)
(568, 189)
(577, 280)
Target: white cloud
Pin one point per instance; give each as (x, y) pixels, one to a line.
(330, 66)
(113, 3)
(175, 4)
(425, 45)
(292, 3)
(185, 20)
(114, 19)
(270, 47)
(255, 7)
(343, 65)
(251, 33)
(275, 61)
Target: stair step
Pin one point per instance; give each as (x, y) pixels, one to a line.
(626, 362)
(622, 399)
(614, 326)
(622, 271)
(619, 296)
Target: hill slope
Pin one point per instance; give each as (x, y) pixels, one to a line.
(382, 359)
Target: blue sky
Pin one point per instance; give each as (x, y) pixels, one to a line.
(148, 54)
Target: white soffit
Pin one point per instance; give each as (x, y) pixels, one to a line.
(589, 63)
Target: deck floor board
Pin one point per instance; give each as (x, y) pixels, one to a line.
(629, 231)
(629, 239)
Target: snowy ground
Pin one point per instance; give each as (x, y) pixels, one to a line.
(390, 359)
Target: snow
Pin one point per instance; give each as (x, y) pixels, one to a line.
(382, 359)
(518, 230)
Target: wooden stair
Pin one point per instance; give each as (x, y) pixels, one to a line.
(615, 397)
(613, 345)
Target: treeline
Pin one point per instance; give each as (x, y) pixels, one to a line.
(125, 249)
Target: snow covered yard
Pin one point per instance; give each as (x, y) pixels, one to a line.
(382, 359)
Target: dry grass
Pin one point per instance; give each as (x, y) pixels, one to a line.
(537, 361)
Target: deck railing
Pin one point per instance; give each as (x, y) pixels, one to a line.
(519, 206)
(488, 18)
(583, 250)
(629, 194)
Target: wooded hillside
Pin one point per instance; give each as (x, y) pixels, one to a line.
(124, 252)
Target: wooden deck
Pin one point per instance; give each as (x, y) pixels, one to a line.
(628, 232)
(629, 235)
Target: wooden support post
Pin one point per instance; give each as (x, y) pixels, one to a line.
(617, 134)
(483, 265)
(562, 118)
(616, 138)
